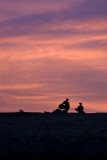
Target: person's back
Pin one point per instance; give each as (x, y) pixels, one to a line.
(80, 109)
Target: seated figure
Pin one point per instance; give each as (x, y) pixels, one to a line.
(63, 107)
(80, 108)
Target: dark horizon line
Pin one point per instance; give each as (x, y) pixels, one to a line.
(31, 112)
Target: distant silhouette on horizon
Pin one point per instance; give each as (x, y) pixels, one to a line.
(80, 108)
(21, 111)
(63, 107)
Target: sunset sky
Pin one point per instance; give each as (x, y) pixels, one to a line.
(51, 50)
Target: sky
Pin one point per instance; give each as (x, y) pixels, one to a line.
(50, 51)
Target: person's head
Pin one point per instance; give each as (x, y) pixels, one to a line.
(67, 99)
(80, 103)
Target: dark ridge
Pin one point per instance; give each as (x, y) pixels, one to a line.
(37, 135)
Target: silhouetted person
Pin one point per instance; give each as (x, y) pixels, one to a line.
(21, 111)
(80, 108)
(65, 106)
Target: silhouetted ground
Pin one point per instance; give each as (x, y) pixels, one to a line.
(53, 136)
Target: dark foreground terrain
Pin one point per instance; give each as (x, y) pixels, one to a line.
(53, 136)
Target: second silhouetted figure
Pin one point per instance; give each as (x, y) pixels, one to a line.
(80, 108)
